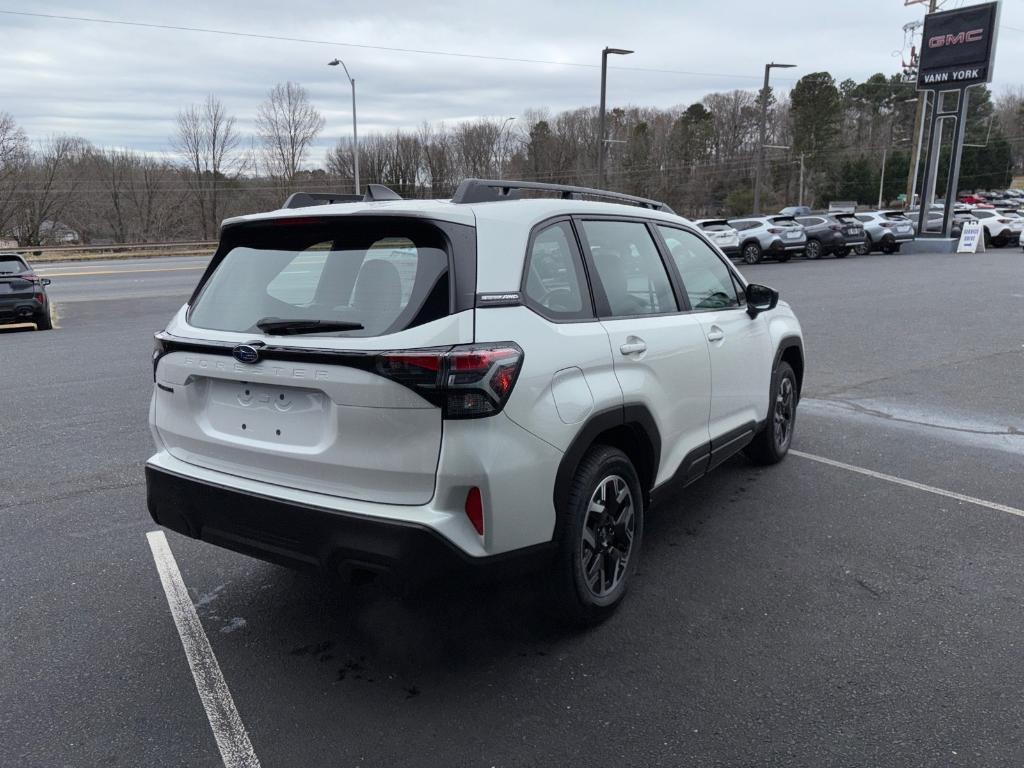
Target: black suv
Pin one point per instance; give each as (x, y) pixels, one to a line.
(831, 233)
(22, 293)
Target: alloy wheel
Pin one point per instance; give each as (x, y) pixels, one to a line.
(607, 539)
(785, 407)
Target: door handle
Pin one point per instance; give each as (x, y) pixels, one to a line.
(633, 347)
(715, 333)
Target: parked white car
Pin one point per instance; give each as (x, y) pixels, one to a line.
(406, 386)
(774, 237)
(721, 234)
(1002, 227)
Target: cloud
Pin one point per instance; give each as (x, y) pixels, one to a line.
(122, 86)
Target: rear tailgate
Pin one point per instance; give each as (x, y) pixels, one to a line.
(316, 411)
(14, 290)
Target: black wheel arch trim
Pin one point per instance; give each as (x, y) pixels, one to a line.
(787, 343)
(636, 416)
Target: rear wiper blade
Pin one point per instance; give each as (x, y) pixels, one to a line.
(279, 327)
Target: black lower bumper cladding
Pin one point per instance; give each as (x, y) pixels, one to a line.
(314, 538)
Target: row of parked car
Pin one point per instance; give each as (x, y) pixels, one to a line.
(802, 232)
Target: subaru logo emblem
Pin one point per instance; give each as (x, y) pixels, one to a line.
(244, 353)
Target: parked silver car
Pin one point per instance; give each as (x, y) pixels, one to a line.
(885, 231)
(774, 237)
(721, 234)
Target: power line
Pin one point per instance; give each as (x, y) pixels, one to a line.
(392, 49)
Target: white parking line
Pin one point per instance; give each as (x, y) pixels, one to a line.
(911, 484)
(228, 730)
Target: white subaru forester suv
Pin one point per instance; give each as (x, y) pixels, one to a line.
(410, 386)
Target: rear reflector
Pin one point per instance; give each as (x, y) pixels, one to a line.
(475, 509)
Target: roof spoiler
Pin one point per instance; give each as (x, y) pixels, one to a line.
(374, 193)
(491, 190)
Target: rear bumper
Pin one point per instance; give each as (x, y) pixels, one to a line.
(310, 537)
(19, 310)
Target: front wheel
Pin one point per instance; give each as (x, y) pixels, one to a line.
(813, 249)
(602, 533)
(864, 248)
(751, 253)
(771, 444)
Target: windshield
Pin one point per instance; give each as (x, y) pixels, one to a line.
(378, 277)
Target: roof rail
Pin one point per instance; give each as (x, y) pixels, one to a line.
(374, 192)
(492, 190)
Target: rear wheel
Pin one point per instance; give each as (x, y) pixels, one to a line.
(813, 249)
(889, 246)
(43, 321)
(772, 443)
(602, 533)
(752, 253)
(866, 247)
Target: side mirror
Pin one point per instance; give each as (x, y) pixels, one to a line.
(46, 281)
(760, 298)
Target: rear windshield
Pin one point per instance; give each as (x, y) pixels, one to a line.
(386, 275)
(715, 226)
(11, 265)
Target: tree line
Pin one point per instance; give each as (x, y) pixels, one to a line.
(699, 158)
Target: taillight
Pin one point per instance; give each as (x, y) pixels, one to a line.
(836, 227)
(1004, 221)
(888, 224)
(159, 350)
(41, 298)
(467, 382)
(774, 231)
(475, 509)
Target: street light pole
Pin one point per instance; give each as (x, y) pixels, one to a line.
(500, 149)
(801, 201)
(600, 114)
(355, 130)
(764, 128)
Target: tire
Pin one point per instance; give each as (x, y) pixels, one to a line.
(771, 444)
(866, 248)
(584, 593)
(43, 321)
(888, 246)
(842, 253)
(813, 250)
(751, 253)
(999, 242)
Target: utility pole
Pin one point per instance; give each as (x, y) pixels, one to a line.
(800, 202)
(762, 137)
(881, 182)
(915, 150)
(600, 115)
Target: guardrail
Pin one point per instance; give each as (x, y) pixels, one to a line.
(115, 251)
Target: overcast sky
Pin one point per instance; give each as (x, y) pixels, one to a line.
(121, 86)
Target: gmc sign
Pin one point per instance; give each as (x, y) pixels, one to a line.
(958, 47)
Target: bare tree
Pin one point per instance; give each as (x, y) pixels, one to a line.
(287, 124)
(51, 185)
(14, 154)
(208, 142)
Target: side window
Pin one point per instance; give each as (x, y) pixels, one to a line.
(708, 281)
(630, 268)
(555, 285)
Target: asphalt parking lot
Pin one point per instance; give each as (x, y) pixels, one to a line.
(811, 614)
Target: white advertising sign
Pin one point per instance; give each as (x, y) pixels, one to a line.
(972, 239)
